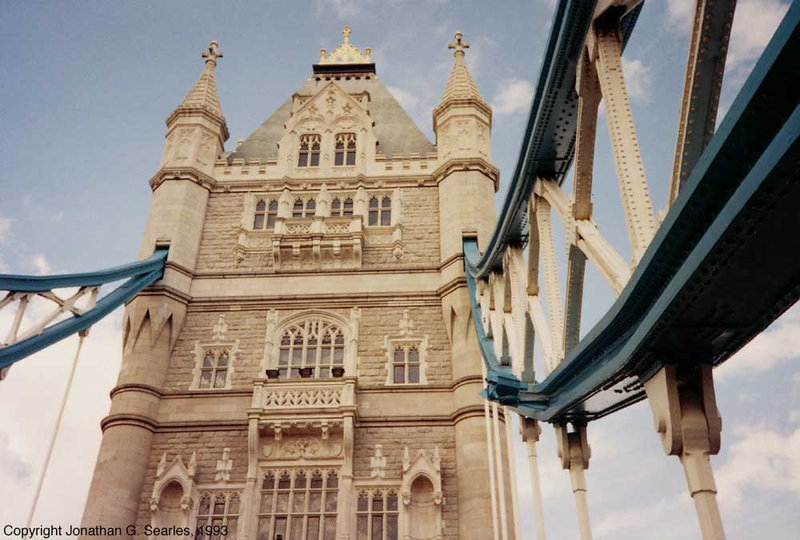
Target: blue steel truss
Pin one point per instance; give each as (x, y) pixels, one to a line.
(721, 267)
(140, 275)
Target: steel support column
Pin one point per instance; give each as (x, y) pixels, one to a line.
(687, 420)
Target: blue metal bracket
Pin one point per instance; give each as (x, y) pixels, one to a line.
(501, 384)
(141, 274)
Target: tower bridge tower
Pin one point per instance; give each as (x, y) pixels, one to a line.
(307, 367)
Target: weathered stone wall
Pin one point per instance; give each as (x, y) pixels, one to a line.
(379, 322)
(419, 211)
(208, 446)
(394, 440)
(247, 326)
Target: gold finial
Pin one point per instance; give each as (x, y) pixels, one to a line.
(213, 53)
(459, 45)
(345, 53)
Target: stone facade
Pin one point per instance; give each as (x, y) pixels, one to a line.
(306, 368)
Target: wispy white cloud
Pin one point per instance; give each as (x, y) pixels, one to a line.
(680, 13)
(760, 458)
(778, 344)
(406, 99)
(41, 265)
(343, 9)
(5, 234)
(637, 79)
(637, 520)
(514, 95)
(5, 229)
(754, 23)
(33, 390)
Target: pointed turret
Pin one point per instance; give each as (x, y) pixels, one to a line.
(196, 132)
(204, 93)
(467, 183)
(460, 85)
(196, 129)
(462, 120)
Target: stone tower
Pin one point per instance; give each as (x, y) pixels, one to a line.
(307, 367)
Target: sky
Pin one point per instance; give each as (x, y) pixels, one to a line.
(85, 90)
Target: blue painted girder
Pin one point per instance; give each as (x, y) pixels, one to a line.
(722, 266)
(141, 274)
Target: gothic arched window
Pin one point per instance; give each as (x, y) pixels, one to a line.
(265, 215)
(377, 515)
(342, 209)
(214, 369)
(405, 364)
(309, 150)
(297, 502)
(345, 150)
(313, 345)
(217, 515)
(380, 211)
(304, 208)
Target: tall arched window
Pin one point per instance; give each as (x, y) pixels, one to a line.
(296, 502)
(217, 515)
(345, 151)
(380, 211)
(377, 515)
(316, 345)
(309, 150)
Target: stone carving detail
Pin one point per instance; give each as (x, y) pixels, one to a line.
(421, 494)
(302, 448)
(176, 471)
(406, 352)
(219, 329)
(305, 397)
(205, 154)
(224, 467)
(378, 463)
(298, 228)
(337, 228)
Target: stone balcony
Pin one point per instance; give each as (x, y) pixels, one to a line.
(302, 406)
(318, 243)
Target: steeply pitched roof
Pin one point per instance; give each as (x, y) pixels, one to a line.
(396, 132)
(204, 93)
(460, 84)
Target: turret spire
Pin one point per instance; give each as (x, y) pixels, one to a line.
(204, 93)
(460, 85)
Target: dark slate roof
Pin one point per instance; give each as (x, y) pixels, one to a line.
(396, 132)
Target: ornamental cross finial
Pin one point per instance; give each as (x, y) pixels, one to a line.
(346, 34)
(213, 53)
(459, 45)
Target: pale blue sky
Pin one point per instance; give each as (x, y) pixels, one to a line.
(85, 90)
